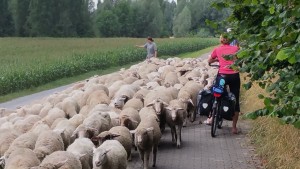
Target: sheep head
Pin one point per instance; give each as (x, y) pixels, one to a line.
(158, 104)
(128, 122)
(99, 157)
(106, 135)
(143, 137)
(82, 131)
(120, 101)
(173, 112)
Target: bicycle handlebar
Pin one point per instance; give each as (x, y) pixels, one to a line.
(214, 65)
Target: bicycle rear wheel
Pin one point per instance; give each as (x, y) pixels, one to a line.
(214, 122)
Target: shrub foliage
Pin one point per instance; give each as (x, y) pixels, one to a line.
(269, 33)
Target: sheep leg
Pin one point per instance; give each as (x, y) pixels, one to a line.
(173, 135)
(146, 159)
(178, 131)
(154, 155)
(142, 154)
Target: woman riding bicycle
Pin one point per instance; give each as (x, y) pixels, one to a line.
(232, 78)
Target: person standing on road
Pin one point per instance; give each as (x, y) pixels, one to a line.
(151, 48)
(232, 77)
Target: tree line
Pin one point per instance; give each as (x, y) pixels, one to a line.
(111, 18)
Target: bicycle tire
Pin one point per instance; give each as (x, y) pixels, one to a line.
(214, 122)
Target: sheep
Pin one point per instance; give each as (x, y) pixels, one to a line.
(22, 158)
(77, 120)
(44, 111)
(111, 154)
(54, 114)
(141, 94)
(47, 143)
(83, 148)
(67, 129)
(125, 93)
(111, 78)
(115, 87)
(56, 98)
(26, 124)
(39, 127)
(171, 79)
(144, 70)
(151, 85)
(136, 103)
(119, 133)
(130, 79)
(175, 116)
(98, 97)
(130, 118)
(70, 107)
(7, 136)
(56, 121)
(147, 136)
(5, 112)
(26, 140)
(60, 159)
(141, 82)
(95, 123)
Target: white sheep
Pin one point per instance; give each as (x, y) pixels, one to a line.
(171, 79)
(83, 148)
(5, 112)
(7, 136)
(26, 124)
(22, 158)
(54, 114)
(111, 154)
(125, 93)
(130, 118)
(47, 143)
(26, 140)
(70, 107)
(60, 159)
(136, 103)
(44, 111)
(77, 120)
(175, 118)
(147, 136)
(67, 129)
(119, 133)
(98, 97)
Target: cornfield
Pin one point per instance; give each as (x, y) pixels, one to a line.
(28, 62)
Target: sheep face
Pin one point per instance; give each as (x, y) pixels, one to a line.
(83, 131)
(41, 153)
(99, 157)
(120, 101)
(158, 104)
(144, 137)
(128, 122)
(174, 112)
(106, 135)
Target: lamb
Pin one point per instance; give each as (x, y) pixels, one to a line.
(26, 140)
(175, 116)
(34, 109)
(151, 85)
(60, 159)
(44, 111)
(22, 158)
(119, 133)
(83, 148)
(39, 127)
(47, 143)
(147, 137)
(111, 154)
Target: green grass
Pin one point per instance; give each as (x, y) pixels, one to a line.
(66, 81)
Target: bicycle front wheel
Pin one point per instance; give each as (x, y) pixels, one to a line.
(214, 122)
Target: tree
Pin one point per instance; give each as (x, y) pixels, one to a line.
(107, 24)
(6, 20)
(169, 12)
(182, 23)
(269, 36)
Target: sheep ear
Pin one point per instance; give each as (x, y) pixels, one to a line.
(2, 162)
(190, 100)
(112, 136)
(180, 109)
(96, 138)
(150, 129)
(74, 134)
(81, 156)
(168, 108)
(93, 129)
(151, 103)
(165, 104)
(58, 165)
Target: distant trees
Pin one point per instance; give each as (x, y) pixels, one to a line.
(111, 18)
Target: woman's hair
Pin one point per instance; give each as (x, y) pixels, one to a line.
(224, 39)
(150, 38)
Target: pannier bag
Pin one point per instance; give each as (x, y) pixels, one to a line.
(218, 87)
(227, 106)
(204, 102)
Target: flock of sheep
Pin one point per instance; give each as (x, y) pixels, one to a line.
(98, 122)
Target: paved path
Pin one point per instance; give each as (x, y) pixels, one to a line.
(199, 150)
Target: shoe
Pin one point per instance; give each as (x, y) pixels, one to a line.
(207, 122)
